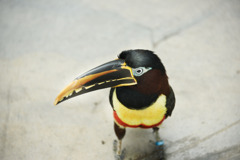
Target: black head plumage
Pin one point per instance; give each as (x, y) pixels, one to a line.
(142, 58)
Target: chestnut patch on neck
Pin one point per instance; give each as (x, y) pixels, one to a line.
(152, 82)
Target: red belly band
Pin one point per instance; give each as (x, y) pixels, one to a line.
(120, 122)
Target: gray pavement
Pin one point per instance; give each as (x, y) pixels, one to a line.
(45, 44)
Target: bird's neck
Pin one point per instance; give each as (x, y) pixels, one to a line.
(144, 93)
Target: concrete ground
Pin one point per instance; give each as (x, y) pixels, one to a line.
(45, 44)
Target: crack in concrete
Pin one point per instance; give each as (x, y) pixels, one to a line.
(195, 21)
(180, 29)
(194, 144)
(232, 153)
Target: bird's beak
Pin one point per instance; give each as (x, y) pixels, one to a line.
(112, 74)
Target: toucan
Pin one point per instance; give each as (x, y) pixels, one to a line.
(140, 94)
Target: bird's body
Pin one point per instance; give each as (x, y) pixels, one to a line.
(140, 95)
(147, 117)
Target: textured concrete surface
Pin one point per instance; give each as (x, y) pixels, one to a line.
(45, 44)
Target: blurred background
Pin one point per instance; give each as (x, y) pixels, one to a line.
(45, 44)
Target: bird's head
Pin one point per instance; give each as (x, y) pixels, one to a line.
(141, 70)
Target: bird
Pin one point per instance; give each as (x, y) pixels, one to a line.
(140, 94)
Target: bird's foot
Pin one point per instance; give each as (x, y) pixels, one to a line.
(157, 143)
(159, 149)
(118, 154)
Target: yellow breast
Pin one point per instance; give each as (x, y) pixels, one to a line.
(148, 116)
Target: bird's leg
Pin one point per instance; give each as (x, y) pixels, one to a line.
(158, 141)
(117, 145)
(159, 146)
(119, 148)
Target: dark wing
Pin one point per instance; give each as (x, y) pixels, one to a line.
(170, 103)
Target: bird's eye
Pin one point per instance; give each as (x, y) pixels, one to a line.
(140, 71)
